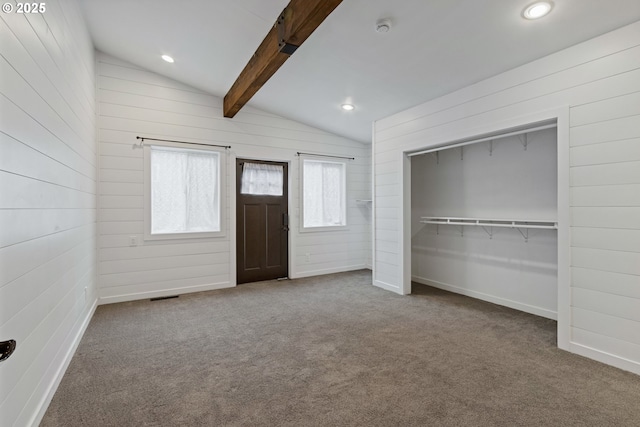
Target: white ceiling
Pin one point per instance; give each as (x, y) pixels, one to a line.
(434, 47)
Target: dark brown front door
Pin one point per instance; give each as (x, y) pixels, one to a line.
(262, 221)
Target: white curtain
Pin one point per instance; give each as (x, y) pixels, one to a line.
(262, 179)
(324, 198)
(184, 191)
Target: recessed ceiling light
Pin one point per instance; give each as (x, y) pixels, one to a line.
(537, 10)
(348, 107)
(167, 58)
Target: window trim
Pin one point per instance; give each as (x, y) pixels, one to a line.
(222, 185)
(325, 228)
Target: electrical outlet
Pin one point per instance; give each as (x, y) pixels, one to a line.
(133, 241)
(307, 256)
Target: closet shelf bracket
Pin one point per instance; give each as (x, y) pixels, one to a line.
(490, 144)
(525, 234)
(435, 155)
(524, 140)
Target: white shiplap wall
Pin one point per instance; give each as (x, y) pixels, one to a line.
(598, 82)
(132, 102)
(47, 201)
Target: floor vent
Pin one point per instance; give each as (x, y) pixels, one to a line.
(161, 298)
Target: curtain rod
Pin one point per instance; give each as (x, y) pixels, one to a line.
(326, 155)
(142, 138)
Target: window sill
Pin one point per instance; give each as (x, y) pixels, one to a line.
(183, 236)
(324, 229)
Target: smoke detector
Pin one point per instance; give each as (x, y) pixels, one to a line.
(383, 25)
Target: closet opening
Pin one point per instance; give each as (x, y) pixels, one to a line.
(484, 218)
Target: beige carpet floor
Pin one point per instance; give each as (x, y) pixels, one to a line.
(332, 351)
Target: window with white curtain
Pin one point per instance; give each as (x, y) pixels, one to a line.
(323, 194)
(183, 192)
(262, 179)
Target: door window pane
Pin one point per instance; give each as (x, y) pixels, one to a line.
(262, 179)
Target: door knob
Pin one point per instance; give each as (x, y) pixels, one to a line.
(6, 349)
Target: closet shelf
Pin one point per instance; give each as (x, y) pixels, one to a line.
(507, 223)
(523, 226)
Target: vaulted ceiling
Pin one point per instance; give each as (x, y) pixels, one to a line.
(434, 47)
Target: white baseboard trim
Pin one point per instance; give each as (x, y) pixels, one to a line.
(163, 293)
(538, 311)
(311, 273)
(387, 286)
(42, 407)
(604, 357)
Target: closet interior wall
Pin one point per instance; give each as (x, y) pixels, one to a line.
(498, 179)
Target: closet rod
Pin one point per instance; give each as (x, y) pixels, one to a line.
(326, 155)
(142, 138)
(488, 138)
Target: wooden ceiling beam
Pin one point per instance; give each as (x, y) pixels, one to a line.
(296, 23)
